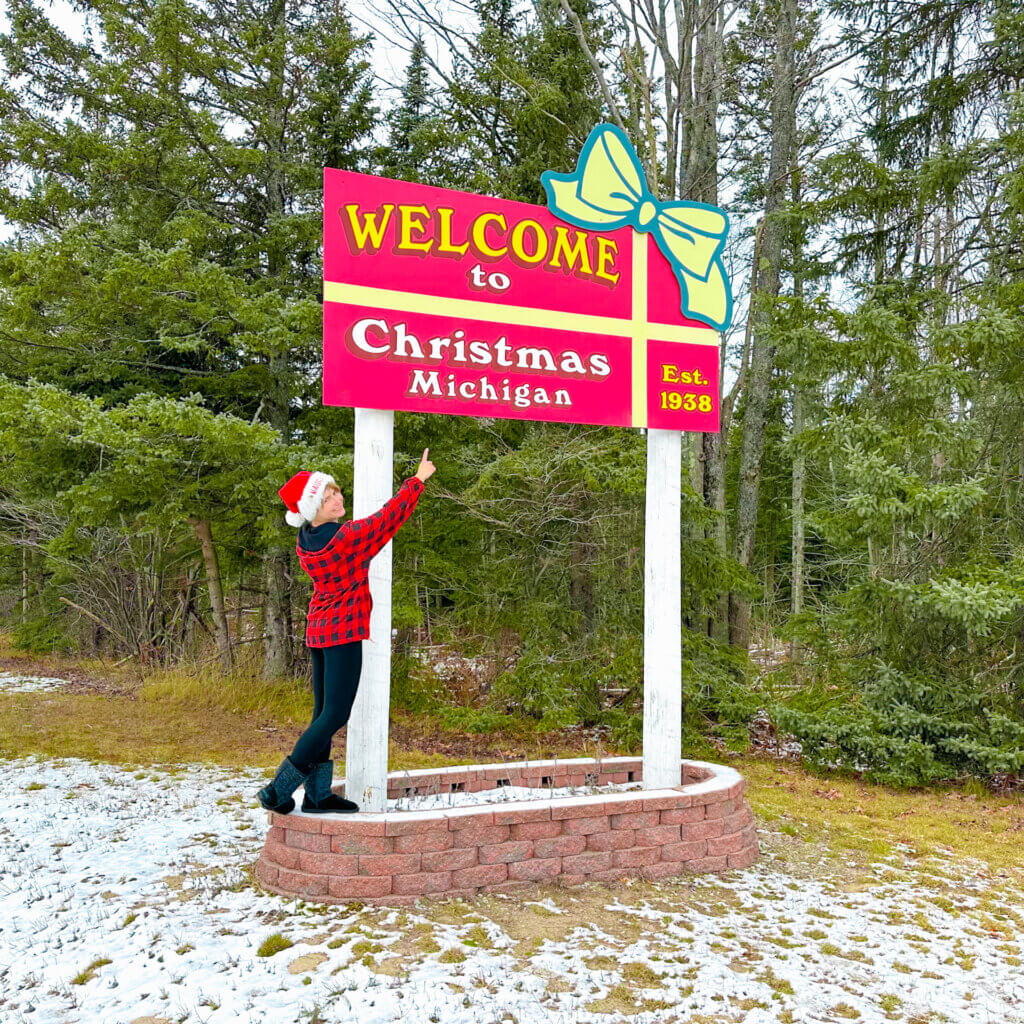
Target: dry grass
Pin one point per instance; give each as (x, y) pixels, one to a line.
(158, 725)
(196, 713)
(124, 731)
(863, 822)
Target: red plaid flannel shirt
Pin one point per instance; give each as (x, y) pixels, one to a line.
(339, 610)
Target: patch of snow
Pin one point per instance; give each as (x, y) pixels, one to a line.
(449, 665)
(12, 683)
(502, 794)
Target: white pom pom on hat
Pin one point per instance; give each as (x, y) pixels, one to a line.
(303, 495)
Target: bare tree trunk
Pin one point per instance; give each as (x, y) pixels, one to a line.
(714, 498)
(702, 186)
(798, 516)
(216, 590)
(581, 595)
(240, 610)
(277, 647)
(31, 539)
(799, 467)
(276, 640)
(581, 583)
(765, 284)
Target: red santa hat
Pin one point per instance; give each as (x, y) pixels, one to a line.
(303, 495)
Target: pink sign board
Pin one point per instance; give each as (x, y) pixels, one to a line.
(450, 302)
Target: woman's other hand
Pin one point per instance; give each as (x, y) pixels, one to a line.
(426, 467)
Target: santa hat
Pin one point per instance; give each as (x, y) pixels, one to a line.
(303, 495)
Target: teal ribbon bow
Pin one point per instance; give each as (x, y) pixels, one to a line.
(608, 191)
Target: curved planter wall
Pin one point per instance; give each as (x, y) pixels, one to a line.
(703, 825)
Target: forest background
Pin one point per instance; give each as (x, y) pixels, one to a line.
(853, 566)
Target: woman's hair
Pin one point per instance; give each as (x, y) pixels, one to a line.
(331, 487)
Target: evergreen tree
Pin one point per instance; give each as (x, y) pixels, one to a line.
(422, 143)
(916, 512)
(523, 96)
(407, 155)
(168, 240)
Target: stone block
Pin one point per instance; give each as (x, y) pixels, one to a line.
(616, 839)
(724, 845)
(595, 860)
(482, 874)
(281, 855)
(685, 851)
(346, 825)
(482, 835)
(354, 887)
(327, 863)
(425, 842)
(636, 857)
(537, 829)
(638, 819)
(450, 860)
(362, 845)
(389, 864)
(683, 815)
(522, 815)
(314, 842)
(585, 826)
(421, 882)
(702, 830)
(657, 835)
(535, 869)
(505, 853)
(559, 846)
(301, 883)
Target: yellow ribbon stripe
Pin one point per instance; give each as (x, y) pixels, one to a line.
(640, 329)
(518, 316)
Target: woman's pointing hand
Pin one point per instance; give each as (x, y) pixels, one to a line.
(426, 467)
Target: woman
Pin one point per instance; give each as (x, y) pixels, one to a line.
(337, 557)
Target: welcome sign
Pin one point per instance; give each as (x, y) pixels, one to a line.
(449, 302)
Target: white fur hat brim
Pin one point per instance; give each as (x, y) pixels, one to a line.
(311, 500)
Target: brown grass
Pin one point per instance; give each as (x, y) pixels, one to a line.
(866, 822)
(196, 713)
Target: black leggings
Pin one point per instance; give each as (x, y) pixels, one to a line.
(336, 672)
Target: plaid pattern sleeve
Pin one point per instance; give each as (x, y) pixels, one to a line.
(373, 533)
(339, 610)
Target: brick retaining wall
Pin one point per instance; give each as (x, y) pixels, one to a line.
(703, 825)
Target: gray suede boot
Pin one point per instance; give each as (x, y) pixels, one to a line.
(319, 799)
(277, 795)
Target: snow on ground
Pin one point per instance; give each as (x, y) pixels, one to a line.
(126, 895)
(503, 794)
(10, 682)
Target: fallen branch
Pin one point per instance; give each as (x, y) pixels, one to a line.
(97, 620)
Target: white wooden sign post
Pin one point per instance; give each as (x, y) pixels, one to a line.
(366, 750)
(663, 726)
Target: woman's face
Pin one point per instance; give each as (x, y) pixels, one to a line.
(333, 506)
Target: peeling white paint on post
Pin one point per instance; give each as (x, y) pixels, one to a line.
(366, 753)
(663, 703)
